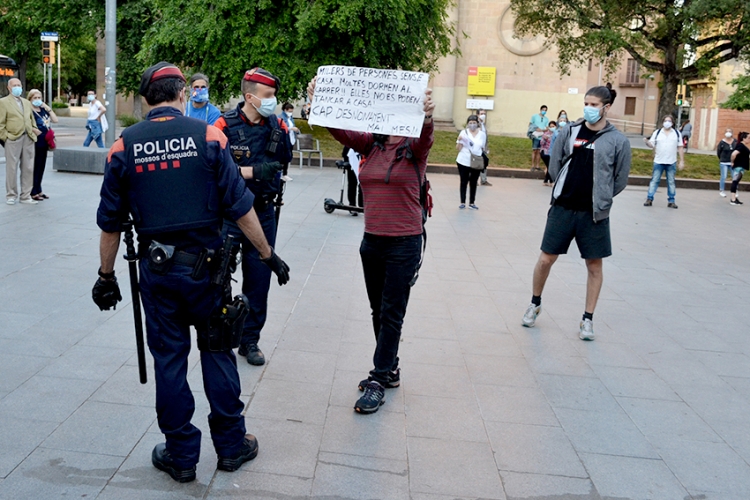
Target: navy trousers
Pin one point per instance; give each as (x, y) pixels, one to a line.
(171, 304)
(256, 276)
(388, 264)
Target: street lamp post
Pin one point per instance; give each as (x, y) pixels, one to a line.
(110, 40)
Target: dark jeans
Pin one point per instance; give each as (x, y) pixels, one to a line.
(256, 276)
(172, 303)
(545, 159)
(389, 264)
(468, 176)
(40, 161)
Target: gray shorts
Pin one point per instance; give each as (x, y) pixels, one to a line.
(563, 225)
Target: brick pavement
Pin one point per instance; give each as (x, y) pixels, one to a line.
(657, 407)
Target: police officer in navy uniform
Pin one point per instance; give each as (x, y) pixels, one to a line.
(175, 177)
(257, 138)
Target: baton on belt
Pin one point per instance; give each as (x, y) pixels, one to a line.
(132, 257)
(279, 198)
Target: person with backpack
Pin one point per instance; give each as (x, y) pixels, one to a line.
(666, 143)
(590, 163)
(392, 181)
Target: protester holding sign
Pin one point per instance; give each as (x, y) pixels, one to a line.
(392, 244)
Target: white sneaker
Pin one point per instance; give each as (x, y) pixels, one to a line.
(10, 201)
(286, 178)
(722, 194)
(586, 330)
(29, 202)
(529, 317)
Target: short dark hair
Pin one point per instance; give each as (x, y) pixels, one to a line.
(472, 118)
(287, 105)
(741, 136)
(198, 76)
(552, 122)
(163, 90)
(606, 95)
(543, 106)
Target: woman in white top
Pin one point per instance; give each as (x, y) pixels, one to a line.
(470, 142)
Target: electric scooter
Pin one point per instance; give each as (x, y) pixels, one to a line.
(329, 205)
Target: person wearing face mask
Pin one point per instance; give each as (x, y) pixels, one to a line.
(259, 141)
(392, 243)
(176, 201)
(562, 116)
(590, 163)
(482, 115)
(667, 144)
(198, 105)
(94, 121)
(546, 148)
(537, 125)
(724, 152)
(18, 132)
(44, 116)
(287, 112)
(470, 142)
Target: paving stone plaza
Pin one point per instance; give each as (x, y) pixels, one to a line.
(658, 407)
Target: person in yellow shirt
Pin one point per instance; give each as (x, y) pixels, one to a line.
(19, 133)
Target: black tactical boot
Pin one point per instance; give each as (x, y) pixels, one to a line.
(163, 461)
(253, 354)
(248, 451)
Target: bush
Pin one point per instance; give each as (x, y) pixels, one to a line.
(59, 105)
(128, 120)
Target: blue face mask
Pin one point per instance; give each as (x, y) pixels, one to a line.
(37, 103)
(591, 114)
(543, 112)
(199, 95)
(16, 91)
(267, 106)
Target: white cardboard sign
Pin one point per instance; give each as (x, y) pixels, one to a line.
(381, 101)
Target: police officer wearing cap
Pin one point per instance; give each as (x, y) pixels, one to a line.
(175, 177)
(260, 145)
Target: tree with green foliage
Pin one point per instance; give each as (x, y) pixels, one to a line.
(678, 39)
(291, 38)
(740, 99)
(22, 22)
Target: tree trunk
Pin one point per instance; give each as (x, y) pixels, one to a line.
(137, 106)
(668, 98)
(671, 80)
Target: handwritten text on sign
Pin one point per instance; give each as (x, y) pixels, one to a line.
(382, 101)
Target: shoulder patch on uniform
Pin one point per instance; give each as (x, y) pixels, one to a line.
(117, 147)
(214, 134)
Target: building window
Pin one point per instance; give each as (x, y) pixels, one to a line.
(632, 76)
(630, 105)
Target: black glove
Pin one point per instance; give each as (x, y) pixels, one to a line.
(278, 266)
(106, 294)
(267, 171)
